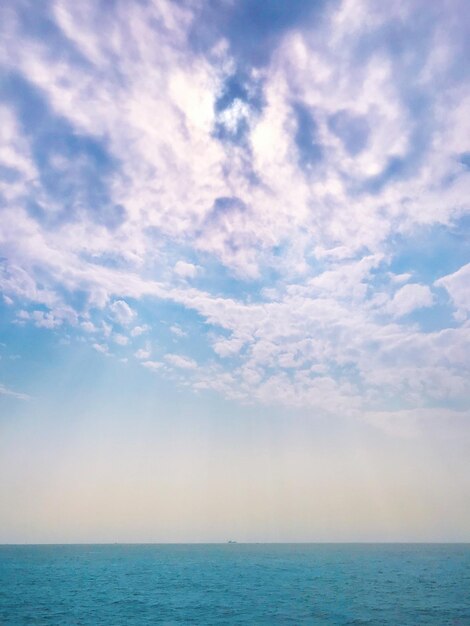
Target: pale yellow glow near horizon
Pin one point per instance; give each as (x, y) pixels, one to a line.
(182, 487)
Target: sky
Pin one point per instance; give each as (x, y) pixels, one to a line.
(234, 270)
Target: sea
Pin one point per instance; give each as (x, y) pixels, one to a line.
(101, 585)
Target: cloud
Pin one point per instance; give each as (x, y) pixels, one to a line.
(7, 392)
(400, 278)
(409, 298)
(139, 330)
(152, 365)
(457, 286)
(297, 158)
(121, 340)
(181, 362)
(89, 327)
(178, 331)
(253, 30)
(122, 312)
(143, 353)
(185, 270)
(101, 347)
(48, 319)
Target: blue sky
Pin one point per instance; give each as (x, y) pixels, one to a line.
(247, 213)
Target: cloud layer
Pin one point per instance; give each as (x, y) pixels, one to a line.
(294, 183)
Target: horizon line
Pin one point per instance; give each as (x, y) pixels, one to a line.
(229, 542)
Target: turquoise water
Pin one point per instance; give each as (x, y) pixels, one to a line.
(98, 585)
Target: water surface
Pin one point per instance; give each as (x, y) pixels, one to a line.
(97, 585)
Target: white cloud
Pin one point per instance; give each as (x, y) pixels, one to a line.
(400, 278)
(88, 327)
(44, 319)
(178, 331)
(409, 298)
(458, 287)
(185, 270)
(182, 362)
(6, 391)
(233, 116)
(152, 365)
(143, 353)
(228, 346)
(139, 330)
(106, 329)
(121, 340)
(101, 347)
(122, 312)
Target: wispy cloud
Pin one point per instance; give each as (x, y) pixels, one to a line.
(6, 391)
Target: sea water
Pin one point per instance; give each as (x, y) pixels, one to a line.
(98, 585)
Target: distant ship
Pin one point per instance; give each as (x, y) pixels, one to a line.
(231, 541)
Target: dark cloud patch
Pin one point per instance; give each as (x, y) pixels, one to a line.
(421, 133)
(252, 27)
(310, 150)
(353, 130)
(230, 232)
(35, 22)
(234, 88)
(74, 169)
(238, 88)
(9, 174)
(464, 159)
(113, 215)
(405, 43)
(227, 205)
(409, 43)
(395, 169)
(229, 220)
